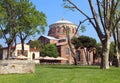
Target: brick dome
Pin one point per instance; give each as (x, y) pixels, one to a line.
(57, 30)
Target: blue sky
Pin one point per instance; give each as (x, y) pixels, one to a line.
(55, 11)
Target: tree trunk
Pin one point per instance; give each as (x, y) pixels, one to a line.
(8, 52)
(105, 53)
(116, 34)
(73, 54)
(22, 43)
(118, 60)
(75, 61)
(117, 54)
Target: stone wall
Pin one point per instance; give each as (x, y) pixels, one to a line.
(16, 66)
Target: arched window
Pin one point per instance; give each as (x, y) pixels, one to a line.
(33, 56)
(67, 50)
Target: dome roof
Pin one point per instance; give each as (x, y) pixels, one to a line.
(63, 21)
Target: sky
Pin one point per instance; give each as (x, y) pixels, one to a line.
(55, 11)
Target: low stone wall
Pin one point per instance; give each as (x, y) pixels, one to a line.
(16, 66)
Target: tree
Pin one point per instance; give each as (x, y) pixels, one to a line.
(103, 22)
(36, 44)
(31, 21)
(116, 46)
(71, 46)
(70, 40)
(85, 42)
(50, 50)
(8, 23)
(116, 35)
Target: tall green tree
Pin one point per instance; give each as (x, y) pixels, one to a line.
(84, 41)
(50, 50)
(102, 20)
(31, 21)
(8, 23)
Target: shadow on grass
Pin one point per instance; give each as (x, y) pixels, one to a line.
(72, 67)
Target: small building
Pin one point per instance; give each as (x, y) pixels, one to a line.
(29, 53)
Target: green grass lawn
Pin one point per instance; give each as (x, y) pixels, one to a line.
(65, 74)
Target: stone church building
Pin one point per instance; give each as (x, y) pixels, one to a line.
(56, 35)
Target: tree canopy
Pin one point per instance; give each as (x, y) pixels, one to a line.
(31, 21)
(50, 50)
(84, 41)
(36, 44)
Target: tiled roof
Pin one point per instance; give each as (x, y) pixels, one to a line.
(33, 49)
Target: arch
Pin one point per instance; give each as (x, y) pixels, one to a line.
(67, 51)
(78, 55)
(33, 56)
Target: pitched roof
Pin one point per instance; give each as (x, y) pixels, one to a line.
(50, 37)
